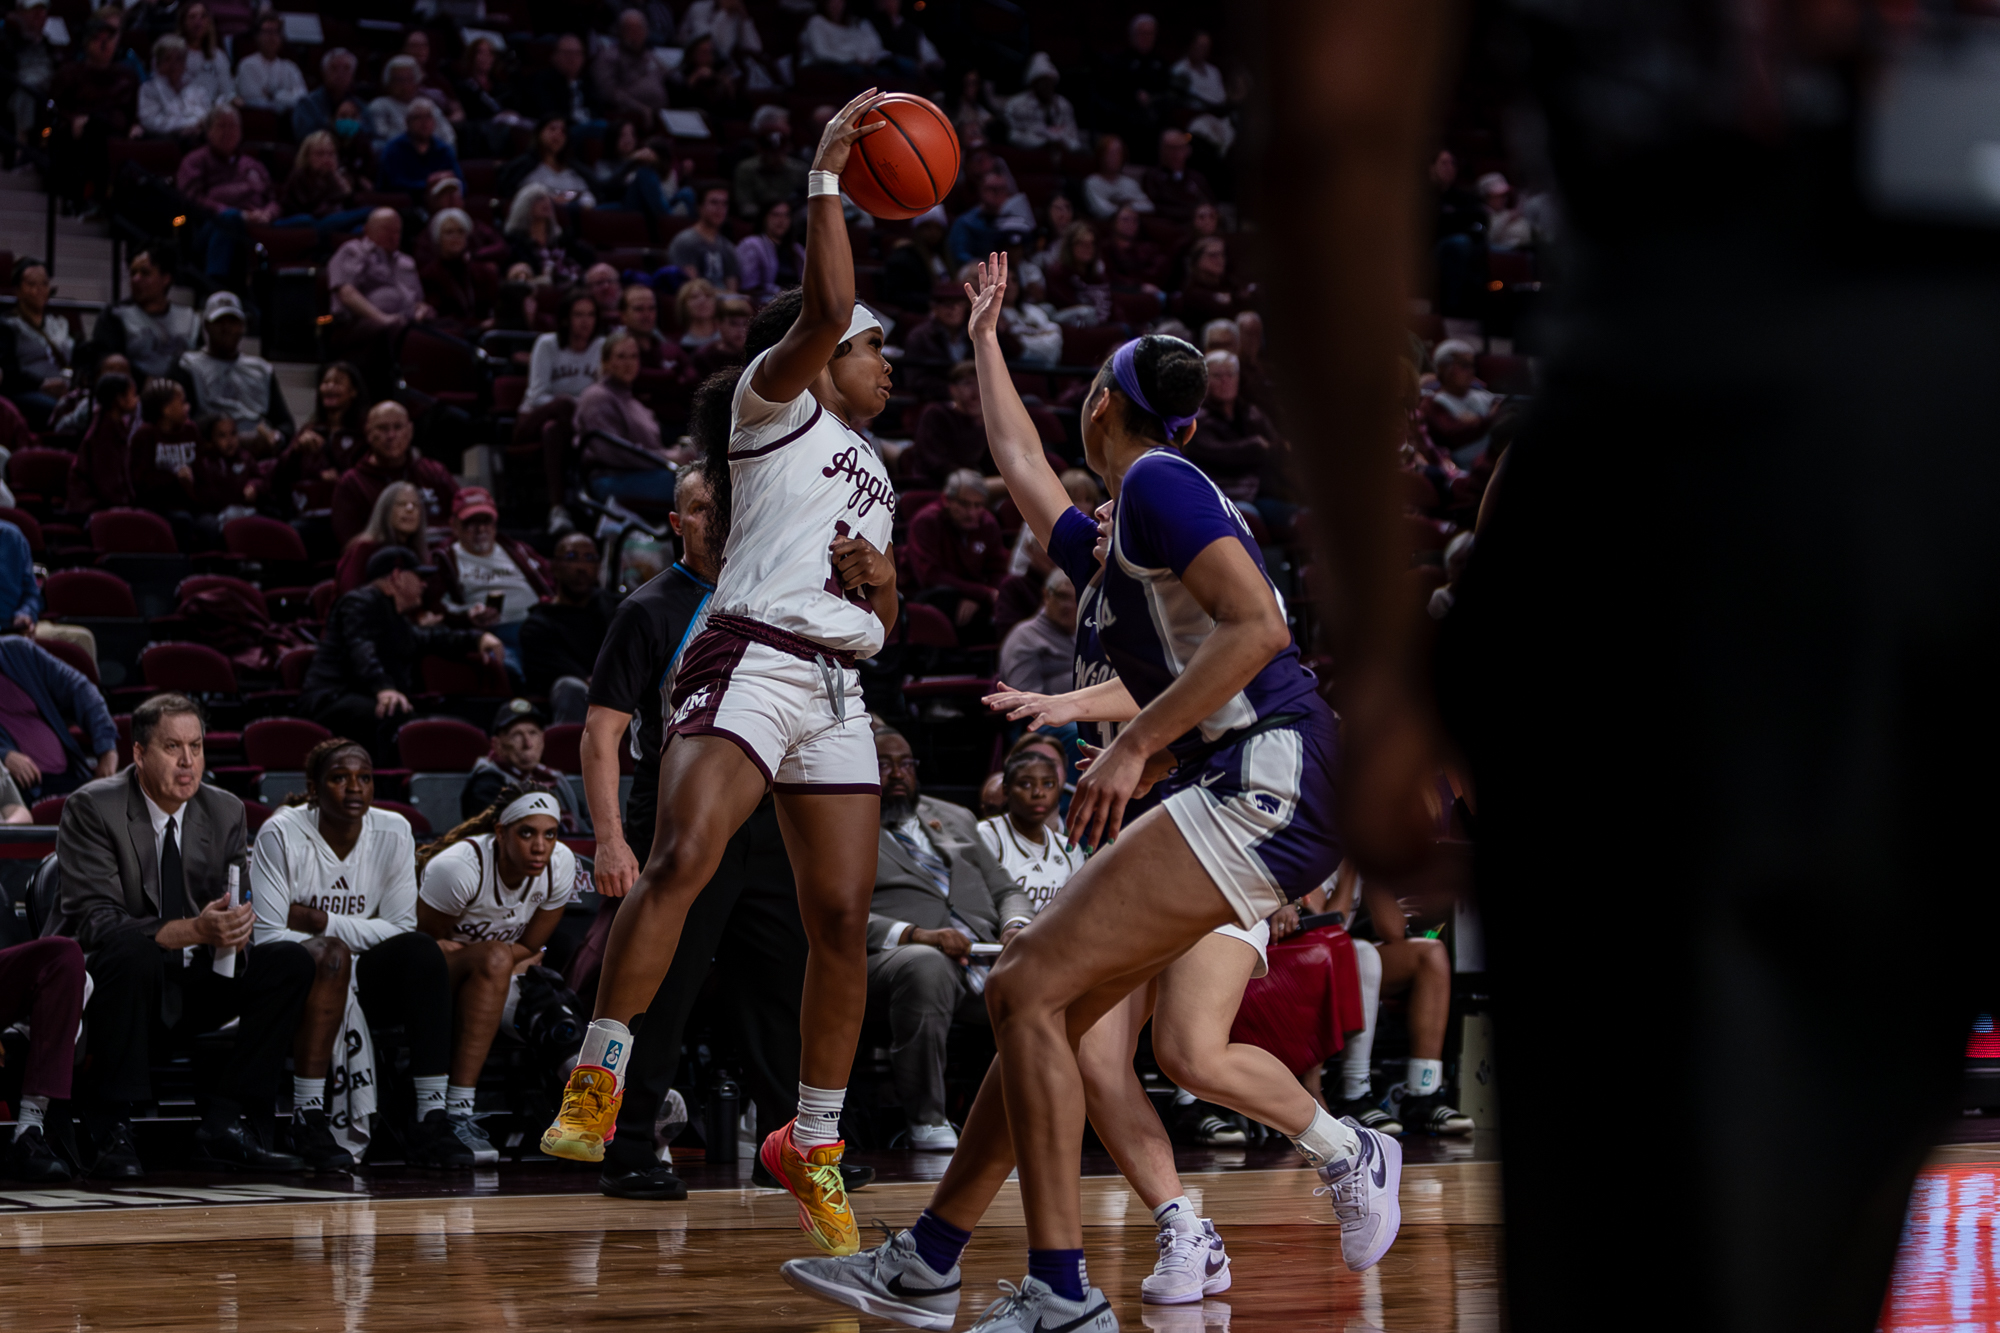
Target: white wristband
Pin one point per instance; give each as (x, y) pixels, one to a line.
(822, 182)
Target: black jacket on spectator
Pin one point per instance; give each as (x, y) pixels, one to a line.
(369, 647)
(562, 640)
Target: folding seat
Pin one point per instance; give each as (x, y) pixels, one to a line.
(103, 604)
(138, 546)
(439, 752)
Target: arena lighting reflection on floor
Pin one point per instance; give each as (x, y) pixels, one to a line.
(1948, 1268)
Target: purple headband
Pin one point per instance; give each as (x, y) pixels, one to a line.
(1127, 376)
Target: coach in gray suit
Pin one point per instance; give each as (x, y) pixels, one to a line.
(144, 857)
(937, 892)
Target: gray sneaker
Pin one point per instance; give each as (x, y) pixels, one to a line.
(467, 1131)
(890, 1281)
(1365, 1190)
(1033, 1308)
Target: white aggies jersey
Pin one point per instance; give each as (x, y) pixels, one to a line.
(800, 479)
(463, 881)
(368, 898)
(1040, 872)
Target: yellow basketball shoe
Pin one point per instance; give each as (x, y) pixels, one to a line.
(815, 1182)
(589, 1116)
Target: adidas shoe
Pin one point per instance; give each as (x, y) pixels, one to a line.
(815, 1181)
(890, 1281)
(1192, 1265)
(1365, 1189)
(1368, 1113)
(1433, 1115)
(1033, 1308)
(312, 1139)
(1211, 1130)
(588, 1118)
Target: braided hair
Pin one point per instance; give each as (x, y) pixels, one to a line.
(486, 821)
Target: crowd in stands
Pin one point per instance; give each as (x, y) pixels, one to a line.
(541, 244)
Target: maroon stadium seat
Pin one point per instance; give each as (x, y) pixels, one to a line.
(30, 527)
(281, 742)
(1089, 347)
(42, 473)
(199, 583)
(48, 810)
(88, 592)
(323, 596)
(293, 665)
(929, 627)
(418, 824)
(71, 654)
(440, 745)
(131, 532)
(256, 538)
(254, 815)
(481, 680)
(191, 668)
(562, 747)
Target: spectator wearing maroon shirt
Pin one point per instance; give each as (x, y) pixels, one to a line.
(951, 436)
(1207, 293)
(389, 458)
(1235, 443)
(1130, 259)
(163, 448)
(101, 475)
(1176, 188)
(639, 314)
(958, 556)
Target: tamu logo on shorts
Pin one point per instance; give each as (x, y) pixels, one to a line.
(691, 705)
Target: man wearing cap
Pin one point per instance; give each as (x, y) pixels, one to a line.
(366, 667)
(220, 377)
(1003, 211)
(1039, 115)
(231, 185)
(515, 760)
(481, 566)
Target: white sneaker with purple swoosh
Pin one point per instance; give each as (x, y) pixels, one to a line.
(1365, 1189)
(1033, 1308)
(890, 1281)
(1192, 1265)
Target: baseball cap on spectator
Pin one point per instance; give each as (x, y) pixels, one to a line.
(473, 501)
(221, 304)
(516, 711)
(392, 558)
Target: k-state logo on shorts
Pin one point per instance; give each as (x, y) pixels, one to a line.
(1267, 803)
(695, 701)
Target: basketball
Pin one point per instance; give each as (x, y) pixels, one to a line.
(909, 167)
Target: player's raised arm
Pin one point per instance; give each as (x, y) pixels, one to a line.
(810, 343)
(1010, 432)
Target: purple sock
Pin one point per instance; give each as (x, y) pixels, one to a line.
(939, 1243)
(1061, 1270)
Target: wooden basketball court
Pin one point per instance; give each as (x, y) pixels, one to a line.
(532, 1247)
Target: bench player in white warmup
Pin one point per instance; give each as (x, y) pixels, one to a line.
(764, 697)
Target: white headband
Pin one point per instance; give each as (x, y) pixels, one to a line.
(864, 320)
(533, 803)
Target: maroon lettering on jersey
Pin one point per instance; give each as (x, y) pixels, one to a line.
(869, 490)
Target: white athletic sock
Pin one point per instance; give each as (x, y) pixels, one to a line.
(1354, 1057)
(458, 1101)
(819, 1117)
(1326, 1139)
(1177, 1213)
(1424, 1078)
(430, 1094)
(605, 1045)
(308, 1094)
(32, 1114)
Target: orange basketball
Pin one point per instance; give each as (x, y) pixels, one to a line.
(909, 167)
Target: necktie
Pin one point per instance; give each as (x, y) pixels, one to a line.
(173, 884)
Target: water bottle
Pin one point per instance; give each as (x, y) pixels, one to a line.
(725, 1101)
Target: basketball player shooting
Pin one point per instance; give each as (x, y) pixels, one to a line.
(765, 697)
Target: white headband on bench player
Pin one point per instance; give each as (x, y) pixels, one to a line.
(534, 803)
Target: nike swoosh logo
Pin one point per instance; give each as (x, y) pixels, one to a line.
(894, 1286)
(1215, 1265)
(1381, 1173)
(1086, 1317)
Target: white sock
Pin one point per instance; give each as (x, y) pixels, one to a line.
(1354, 1057)
(33, 1112)
(1424, 1078)
(1326, 1139)
(819, 1117)
(430, 1094)
(606, 1045)
(458, 1101)
(308, 1094)
(1177, 1213)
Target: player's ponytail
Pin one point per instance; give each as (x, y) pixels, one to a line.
(709, 420)
(318, 758)
(1172, 378)
(484, 822)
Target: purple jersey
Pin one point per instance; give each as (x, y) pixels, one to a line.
(1148, 625)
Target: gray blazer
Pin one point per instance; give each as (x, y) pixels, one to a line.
(984, 896)
(111, 863)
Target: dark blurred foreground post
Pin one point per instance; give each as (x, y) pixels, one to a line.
(1723, 665)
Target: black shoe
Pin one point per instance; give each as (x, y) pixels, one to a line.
(1368, 1113)
(117, 1155)
(31, 1159)
(851, 1177)
(1433, 1115)
(434, 1142)
(234, 1147)
(635, 1173)
(312, 1139)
